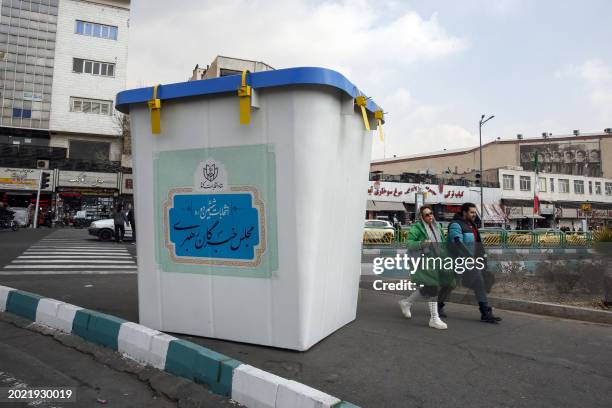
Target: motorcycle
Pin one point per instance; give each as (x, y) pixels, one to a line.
(8, 222)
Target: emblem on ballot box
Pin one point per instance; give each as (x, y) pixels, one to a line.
(213, 223)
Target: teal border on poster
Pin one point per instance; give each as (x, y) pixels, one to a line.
(246, 166)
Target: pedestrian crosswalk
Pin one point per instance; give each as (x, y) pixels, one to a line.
(73, 252)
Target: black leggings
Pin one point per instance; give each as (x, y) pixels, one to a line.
(442, 292)
(119, 232)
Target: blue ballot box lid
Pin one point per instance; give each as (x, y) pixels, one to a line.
(257, 80)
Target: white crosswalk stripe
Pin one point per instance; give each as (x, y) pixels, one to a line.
(72, 252)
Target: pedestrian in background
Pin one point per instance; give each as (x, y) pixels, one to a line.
(120, 220)
(132, 221)
(464, 241)
(427, 235)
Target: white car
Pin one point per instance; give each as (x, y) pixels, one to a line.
(378, 232)
(105, 230)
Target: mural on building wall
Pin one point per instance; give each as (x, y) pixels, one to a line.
(580, 159)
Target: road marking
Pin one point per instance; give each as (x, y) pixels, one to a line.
(92, 247)
(82, 272)
(73, 256)
(73, 253)
(72, 261)
(60, 266)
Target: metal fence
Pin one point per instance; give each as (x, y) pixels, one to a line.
(501, 238)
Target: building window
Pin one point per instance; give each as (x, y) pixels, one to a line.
(95, 106)
(590, 187)
(92, 151)
(93, 67)
(525, 182)
(543, 184)
(578, 187)
(552, 185)
(96, 30)
(22, 113)
(564, 186)
(608, 188)
(508, 182)
(598, 187)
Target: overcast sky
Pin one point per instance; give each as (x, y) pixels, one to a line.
(434, 66)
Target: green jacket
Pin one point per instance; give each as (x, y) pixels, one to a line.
(435, 275)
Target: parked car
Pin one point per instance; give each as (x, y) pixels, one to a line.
(378, 232)
(105, 230)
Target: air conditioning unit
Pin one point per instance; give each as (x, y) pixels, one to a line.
(42, 164)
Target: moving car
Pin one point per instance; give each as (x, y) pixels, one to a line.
(378, 232)
(105, 230)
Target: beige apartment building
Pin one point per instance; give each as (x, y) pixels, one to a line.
(582, 155)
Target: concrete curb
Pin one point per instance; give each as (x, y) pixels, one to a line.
(540, 308)
(225, 376)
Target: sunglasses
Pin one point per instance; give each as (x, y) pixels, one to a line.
(427, 214)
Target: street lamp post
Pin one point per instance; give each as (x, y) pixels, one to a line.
(482, 210)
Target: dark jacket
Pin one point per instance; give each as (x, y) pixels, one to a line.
(463, 242)
(119, 217)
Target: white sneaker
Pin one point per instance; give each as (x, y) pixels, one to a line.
(405, 305)
(434, 321)
(437, 324)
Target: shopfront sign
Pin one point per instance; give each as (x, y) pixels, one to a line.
(594, 213)
(569, 213)
(20, 179)
(514, 212)
(547, 209)
(87, 179)
(432, 193)
(127, 184)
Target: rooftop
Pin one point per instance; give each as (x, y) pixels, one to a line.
(451, 152)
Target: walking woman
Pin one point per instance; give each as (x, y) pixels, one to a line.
(427, 236)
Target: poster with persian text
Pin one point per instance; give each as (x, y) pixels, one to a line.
(216, 211)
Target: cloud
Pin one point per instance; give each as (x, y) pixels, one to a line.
(373, 45)
(355, 37)
(415, 127)
(596, 79)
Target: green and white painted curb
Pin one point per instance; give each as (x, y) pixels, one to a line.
(245, 384)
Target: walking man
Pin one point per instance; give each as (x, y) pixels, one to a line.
(464, 241)
(120, 219)
(132, 221)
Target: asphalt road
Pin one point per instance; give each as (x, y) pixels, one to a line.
(29, 359)
(384, 360)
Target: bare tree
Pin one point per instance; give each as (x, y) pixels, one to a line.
(122, 122)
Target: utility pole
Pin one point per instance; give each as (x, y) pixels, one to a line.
(43, 182)
(482, 210)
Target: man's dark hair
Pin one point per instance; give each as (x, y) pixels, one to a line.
(465, 207)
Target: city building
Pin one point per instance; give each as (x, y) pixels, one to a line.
(575, 179)
(61, 64)
(224, 66)
(562, 199)
(587, 154)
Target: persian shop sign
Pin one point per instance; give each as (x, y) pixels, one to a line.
(434, 194)
(20, 179)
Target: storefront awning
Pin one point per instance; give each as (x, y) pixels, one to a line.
(494, 213)
(385, 206)
(536, 216)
